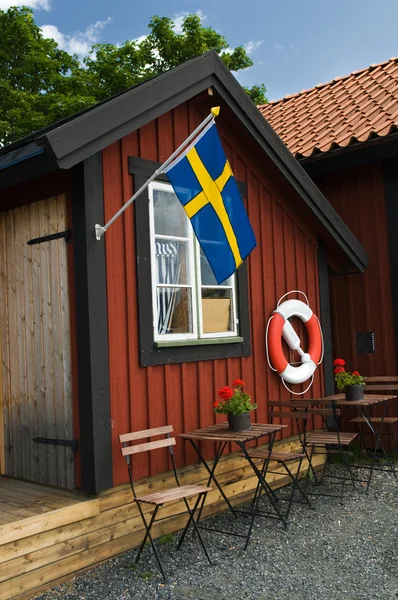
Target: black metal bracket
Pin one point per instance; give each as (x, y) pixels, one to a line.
(67, 235)
(74, 444)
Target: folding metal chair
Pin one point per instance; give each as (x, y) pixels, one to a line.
(158, 499)
(285, 459)
(329, 442)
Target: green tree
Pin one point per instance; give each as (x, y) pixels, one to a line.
(40, 83)
(114, 68)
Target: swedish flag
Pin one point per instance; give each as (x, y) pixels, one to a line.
(204, 183)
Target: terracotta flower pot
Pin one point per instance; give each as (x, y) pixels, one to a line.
(239, 422)
(354, 392)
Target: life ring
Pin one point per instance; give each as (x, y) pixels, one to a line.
(279, 326)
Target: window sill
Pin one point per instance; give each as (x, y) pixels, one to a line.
(200, 342)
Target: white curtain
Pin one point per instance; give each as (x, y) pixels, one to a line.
(168, 272)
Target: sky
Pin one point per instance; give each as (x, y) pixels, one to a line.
(295, 44)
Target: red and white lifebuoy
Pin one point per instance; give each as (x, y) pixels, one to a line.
(279, 326)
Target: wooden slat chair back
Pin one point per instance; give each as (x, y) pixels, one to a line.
(158, 499)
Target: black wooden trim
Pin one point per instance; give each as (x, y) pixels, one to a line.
(91, 327)
(391, 199)
(361, 153)
(27, 169)
(248, 114)
(149, 353)
(323, 278)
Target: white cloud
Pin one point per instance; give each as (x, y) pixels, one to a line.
(278, 47)
(179, 17)
(79, 42)
(35, 4)
(252, 46)
(140, 39)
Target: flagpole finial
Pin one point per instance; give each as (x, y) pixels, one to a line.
(215, 111)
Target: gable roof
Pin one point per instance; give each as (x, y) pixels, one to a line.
(347, 110)
(75, 139)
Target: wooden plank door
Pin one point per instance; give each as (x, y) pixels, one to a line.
(35, 344)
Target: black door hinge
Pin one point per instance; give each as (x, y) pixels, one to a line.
(67, 235)
(74, 444)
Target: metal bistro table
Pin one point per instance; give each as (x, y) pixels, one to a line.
(363, 406)
(222, 435)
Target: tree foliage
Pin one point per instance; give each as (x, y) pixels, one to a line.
(40, 83)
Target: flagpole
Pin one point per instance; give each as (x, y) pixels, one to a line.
(100, 229)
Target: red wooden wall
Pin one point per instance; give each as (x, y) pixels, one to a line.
(285, 259)
(363, 302)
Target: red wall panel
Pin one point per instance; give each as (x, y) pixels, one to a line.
(363, 302)
(286, 257)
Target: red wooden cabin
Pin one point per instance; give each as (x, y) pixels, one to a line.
(121, 378)
(85, 354)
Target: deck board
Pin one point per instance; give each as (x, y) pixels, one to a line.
(21, 500)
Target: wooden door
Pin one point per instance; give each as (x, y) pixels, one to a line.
(36, 382)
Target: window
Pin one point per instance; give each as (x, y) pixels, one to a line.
(187, 302)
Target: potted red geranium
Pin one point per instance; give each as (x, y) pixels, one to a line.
(236, 404)
(350, 382)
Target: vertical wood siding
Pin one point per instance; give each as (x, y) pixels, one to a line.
(285, 259)
(363, 302)
(35, 343)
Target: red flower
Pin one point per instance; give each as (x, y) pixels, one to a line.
(339, 362)
(339, 370)
(356, 373)
(216, 403)
(239, 382)
(225, 393)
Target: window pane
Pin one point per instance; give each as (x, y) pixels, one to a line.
(174, 306)
(170, 217)
(206, 273)
(217, 311)
(172, 262)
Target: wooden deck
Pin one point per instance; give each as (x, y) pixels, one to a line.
(48, 536)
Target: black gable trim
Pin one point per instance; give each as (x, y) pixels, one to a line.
(244, 109)
(92, 130)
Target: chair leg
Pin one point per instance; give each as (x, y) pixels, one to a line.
(192, 520)
(310, 468)
(148, 535)
(295, 486)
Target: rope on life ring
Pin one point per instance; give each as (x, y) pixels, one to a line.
(278, 326)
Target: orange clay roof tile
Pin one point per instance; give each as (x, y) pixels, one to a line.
(350, 109)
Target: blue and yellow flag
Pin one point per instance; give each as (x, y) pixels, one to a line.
(204, 183)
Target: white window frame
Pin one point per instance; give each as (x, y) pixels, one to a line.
(191, 267)
(195, 281)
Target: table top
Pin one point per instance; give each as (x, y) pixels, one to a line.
(221, 433)
(367, 401)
